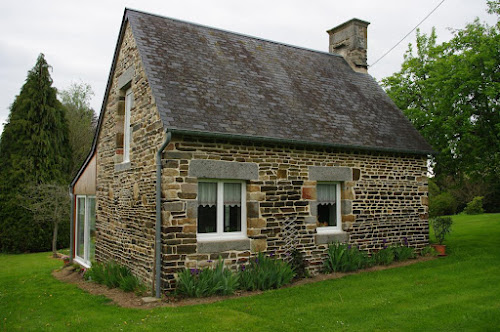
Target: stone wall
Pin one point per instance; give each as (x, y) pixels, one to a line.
(384, 200)
(126, 191)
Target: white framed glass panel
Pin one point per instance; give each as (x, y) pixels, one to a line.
(126, 129)
(92, 229)
(221, 209)
(80, 227)
(85, 229)
(232, 207)
(328, 208)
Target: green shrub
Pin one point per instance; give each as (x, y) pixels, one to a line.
(475, 206)
(96, 273)
(298, 263)
(433, 187)
(442, 204)
(21, 233)
(263, 273)
(113, 275)
(384, 256)
(226, 281)
(441, 227)
(130, 283)
(403, 253)
(207, 282)
(344, 258)
(428, 251)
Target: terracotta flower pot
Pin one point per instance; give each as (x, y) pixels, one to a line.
(440, 248)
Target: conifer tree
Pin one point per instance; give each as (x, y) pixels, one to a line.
(34, 149)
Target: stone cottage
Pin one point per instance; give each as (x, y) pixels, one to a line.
(213, 143)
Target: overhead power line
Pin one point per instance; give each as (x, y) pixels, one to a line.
(399, 42)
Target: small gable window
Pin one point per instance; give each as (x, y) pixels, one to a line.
(221, 209)
(329, 217)
(126, 126)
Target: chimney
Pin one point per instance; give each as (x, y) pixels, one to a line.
(350, 40)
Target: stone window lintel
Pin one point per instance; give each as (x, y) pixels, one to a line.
(217, 169)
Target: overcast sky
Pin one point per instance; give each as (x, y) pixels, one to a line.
(78, 38)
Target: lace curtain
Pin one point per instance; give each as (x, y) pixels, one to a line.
(326, 193)
(207, 194)
(232, 194)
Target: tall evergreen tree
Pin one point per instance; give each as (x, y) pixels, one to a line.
(34, 149)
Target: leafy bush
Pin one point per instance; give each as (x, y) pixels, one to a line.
(441, 227)
(475, 206)
(403, 253)
(20, 233)
(96, 273)
(344, 258)
(384, 256)
(298, 263)
(428, 251)
(265, 273)
(114, 275)
(433, 188)
(442, 204)
(207, 282)
(130, 283)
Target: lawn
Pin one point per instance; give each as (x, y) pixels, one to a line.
(456, 293)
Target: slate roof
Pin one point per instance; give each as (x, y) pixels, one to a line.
(222, 83)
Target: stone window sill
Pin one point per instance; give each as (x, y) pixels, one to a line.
(329, 237)
(212, 246)
(122, 167)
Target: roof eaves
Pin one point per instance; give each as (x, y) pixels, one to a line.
(298, 142)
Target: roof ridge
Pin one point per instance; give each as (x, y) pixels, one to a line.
(233, 32)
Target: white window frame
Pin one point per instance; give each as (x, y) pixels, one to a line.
(84, 261)
(338, 227)
(126, 126)
(220, 234)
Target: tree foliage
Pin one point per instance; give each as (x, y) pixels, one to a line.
(34, 145)
(34, 149)
(49, 206)
(81, 122)
(451, 93)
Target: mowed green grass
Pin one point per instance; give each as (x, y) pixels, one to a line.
(460, 292)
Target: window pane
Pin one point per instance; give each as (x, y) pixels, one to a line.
(92, 229)
(207, 219)
(327, 215)
(232, 207)
(126, 126)
(207, 207)
(80, 227)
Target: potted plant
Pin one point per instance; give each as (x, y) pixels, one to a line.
(441, 227)
(65, 260)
